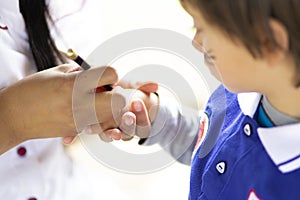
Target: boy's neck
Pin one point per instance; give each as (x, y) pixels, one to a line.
(277, 118)
(286, 101)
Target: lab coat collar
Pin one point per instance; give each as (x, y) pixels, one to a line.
(282, 143)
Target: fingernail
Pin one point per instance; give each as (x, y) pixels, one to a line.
(116, 134)
(137, 106)
(68, 140)
(87, 130)
(128, 121)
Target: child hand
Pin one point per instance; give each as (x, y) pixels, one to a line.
(140, 111)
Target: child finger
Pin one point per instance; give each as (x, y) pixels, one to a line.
(128, 124)
(143, 124)
(115, 133)
(105, 137)
(69, 140)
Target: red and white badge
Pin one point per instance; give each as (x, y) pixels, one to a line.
(204, 122)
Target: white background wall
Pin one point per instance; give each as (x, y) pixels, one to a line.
(112, 17)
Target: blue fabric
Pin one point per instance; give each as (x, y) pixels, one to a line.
(249, 171)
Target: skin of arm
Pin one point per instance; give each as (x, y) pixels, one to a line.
(40, 105)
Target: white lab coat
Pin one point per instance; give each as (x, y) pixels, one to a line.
(40, 169)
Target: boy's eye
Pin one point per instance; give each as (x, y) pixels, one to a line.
(209, 55)
(209, 52)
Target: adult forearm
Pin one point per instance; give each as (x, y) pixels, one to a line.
(8, 138)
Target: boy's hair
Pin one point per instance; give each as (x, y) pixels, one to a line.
(248, 21)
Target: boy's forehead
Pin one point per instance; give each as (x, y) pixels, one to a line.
(189, 8)
(195, 13)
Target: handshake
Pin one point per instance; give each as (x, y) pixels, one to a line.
(125, 110)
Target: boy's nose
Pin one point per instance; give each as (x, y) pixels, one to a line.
(198, 45)
(197, 42)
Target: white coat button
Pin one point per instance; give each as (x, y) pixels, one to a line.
(247, 130)
(221, 167)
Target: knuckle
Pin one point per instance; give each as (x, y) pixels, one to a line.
(64, 67)
(65, 81)
(118, 101)
(111, 73)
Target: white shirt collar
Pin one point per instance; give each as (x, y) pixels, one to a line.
(282, 143)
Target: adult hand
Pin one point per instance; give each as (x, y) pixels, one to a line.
(40, 105)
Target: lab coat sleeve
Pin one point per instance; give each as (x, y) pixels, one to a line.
(175, 130)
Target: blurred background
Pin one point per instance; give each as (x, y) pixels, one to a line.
(97, 21)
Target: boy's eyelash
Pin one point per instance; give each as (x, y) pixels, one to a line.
(209, 58)
(209, 55)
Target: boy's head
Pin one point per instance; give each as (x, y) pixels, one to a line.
(258, 25)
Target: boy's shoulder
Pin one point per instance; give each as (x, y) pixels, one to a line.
(222, 99)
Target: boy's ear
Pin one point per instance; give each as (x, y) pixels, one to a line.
(272, 52)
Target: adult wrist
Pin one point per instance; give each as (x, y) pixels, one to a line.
(9, 137)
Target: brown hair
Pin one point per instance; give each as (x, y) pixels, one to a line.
(248, 20)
